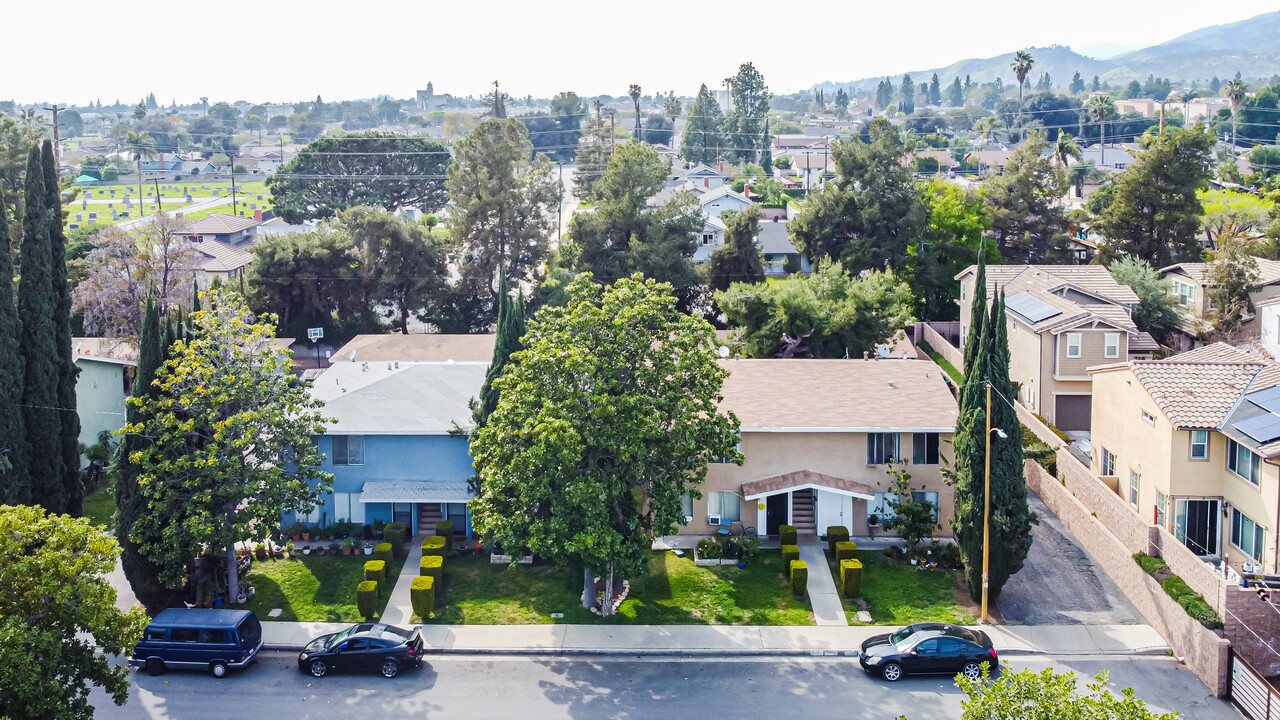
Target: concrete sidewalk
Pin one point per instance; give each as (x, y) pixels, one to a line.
(729, 639)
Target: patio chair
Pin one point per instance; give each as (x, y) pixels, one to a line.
(724, 527)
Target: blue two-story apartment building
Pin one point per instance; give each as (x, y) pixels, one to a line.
(392, 447)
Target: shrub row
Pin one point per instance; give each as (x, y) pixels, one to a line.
(789, 553)
(444, 529)
(846, 550)
(367, 599)
(851, 578)
(434, 545)
(836, 534)
(384, 552)
(1175, 587)
(787, 534)
(395, 534)
(432, 565)
(799, 577)
(376, 570)
(422, 595)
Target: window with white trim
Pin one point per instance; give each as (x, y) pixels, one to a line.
(1148, 418)
(963, 334)
(881, 448)
(725, 505)
(348, 449)
(929, 497)
(347, 506)
(964, 293)
(1111, 345)
(1199, 444)
(1133, 488)
(1162, 503)
(1185, 293)
(1248, 536)
(880, 507)
(1242, 461)
(1108, 463)
(1073, 345)
(686, 504)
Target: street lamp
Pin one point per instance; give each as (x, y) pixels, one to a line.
(986, 511)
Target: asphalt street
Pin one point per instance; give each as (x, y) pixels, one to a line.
(582, 688)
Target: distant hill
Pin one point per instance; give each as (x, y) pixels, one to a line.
(1250, 47)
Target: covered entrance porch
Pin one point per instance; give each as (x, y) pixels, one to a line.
(419, 505)
(811, 501)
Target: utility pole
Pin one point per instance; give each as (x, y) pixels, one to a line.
(57, 138)
(560, 208)
(233, 184)
(159, 202)
(613, 144)
(986, 512)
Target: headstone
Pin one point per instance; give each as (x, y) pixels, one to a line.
(189, 199)
(92, 221)
(259, 197)
(113, 193)
(115, 215)
(93, 216)
(253, 206)
(84, 204)
(124, 214)
(74, 226)
(204, 187)
(78, 216)
(111, 205)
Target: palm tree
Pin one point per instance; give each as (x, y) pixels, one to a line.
(1235, 91)
(141, 146)
(1185, 98)
(1101, 110)
(1066, 148)
(990, 127)
(672, 107)
(1022, 63)
(634, 92)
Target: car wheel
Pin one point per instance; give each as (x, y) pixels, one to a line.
(155, 666)
(390, 668)
(218, 669)
(971, 670)
(318, 668)
(892, 672)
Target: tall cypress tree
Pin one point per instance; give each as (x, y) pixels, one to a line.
(15, 485)
(37, 307)
(978, 316)
(510, 328)
(142, 574)
(67, 371)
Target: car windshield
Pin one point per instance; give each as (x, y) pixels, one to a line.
(333, 641)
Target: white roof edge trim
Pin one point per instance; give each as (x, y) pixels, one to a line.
(810, 486)
(848, 429)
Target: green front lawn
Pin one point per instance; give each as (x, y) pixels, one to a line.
(312, 588)
(100, 507)
(897, 593)
(674, 592)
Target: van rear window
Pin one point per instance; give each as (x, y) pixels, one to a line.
(249, 628)
(184, 635)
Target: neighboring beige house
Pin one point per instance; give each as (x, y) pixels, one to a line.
(222, 243)
(107, 368)
(1190, 286)
(1062, 320)
(817, 436)
(1192, 443)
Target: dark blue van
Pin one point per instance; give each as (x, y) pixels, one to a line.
(200, 639)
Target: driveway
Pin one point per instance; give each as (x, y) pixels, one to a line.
(1060, 584)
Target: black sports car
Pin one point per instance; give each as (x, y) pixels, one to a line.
(928, 648)
(366, 647)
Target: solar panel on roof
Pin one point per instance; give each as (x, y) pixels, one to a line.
(1030, 307)
(1268, 399)
(1263, 428)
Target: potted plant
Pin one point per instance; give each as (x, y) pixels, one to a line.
(306, 534)
(295, 532)
(368, 548)
(277, 552)
(873, 520)
(288, 548)
(260, 552)
(320, 548)
(306, 549)
(335, 547)
(377, 529)
(346, 546)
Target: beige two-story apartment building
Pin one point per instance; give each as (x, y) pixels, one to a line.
(817, 439)
(1190, 285)
(1192, 443)
(1062, 320)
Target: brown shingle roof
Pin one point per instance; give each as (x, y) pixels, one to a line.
(1268, 271)
(433, 347)
(840, 395)
(800, 478)
(221, 223)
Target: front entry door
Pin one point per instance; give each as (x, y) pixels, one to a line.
(1196, 525)
(775, 513)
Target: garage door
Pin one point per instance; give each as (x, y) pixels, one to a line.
(1072, 412)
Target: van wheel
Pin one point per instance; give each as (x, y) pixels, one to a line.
(155, 666)
(390, 668)
(218, 669)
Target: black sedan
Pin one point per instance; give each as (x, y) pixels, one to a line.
(928, 648)
(367, 647)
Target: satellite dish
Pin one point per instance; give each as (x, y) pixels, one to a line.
(351, 356)
(722, 351)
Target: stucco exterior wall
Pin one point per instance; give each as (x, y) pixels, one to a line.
(99, 398)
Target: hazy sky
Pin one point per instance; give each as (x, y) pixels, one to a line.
(285, 50)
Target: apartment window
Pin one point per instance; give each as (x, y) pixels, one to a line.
(1111, 345)
(1247, 535)
(1162, 502)
(1148, 417)
(1133, 488)
(724, 505)
(1184, 292)
(881, 507)
(1242, 461)
(881, 448)
(963, 334)
(1073, 345)
(1199, 444)
(347, 506)
(964, 294)
(708, 238)
(686, 505)
(929, 497)
(728, 460)
(1108, 462)
(924, 448)
(348, 449)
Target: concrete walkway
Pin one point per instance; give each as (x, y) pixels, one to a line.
(399, 608)
(828, 611)
(729, 639)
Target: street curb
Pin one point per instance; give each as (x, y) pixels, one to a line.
(730, 652)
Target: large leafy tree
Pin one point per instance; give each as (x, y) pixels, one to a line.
(1226, 212)
(1155, 213)
(15, 486)
(1047, 695)
(955, 231)
(626, 235)
(744, 125)
(609, 416)
(871, 214)
(1027, 218)
(826, 314)
(1231, 275)
(59, 625)
(592, 157)
(402, 265)
(738, 260)
(504, 212)
(227, 442)
(1156, 311)
(703, 140)
(385, 170)
(987, 365)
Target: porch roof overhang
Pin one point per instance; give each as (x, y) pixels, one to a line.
(415, 492)
(806, 480)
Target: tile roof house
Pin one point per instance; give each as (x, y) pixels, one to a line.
(223, 243)
(1190, 286)
(1062, 320)
(1192, 443)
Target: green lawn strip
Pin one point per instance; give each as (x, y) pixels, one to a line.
(897, 593)
(675, 591)
(956, 376)
(100, 507)
(312, 588)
